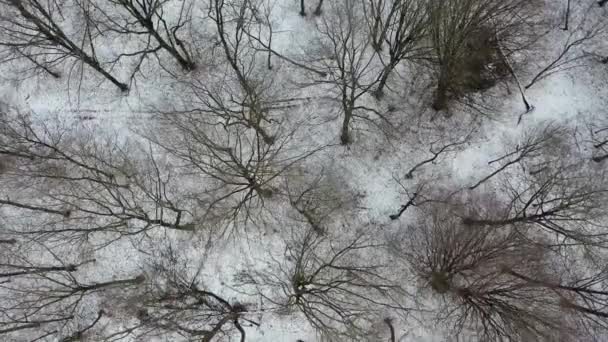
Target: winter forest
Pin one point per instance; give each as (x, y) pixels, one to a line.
(303, 170)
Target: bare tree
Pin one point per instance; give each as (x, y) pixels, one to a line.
(234, 166)
(69, 184)
(328, 280)
(147, 18)
(31, 29)
(349, 64)
(570, 54)
(530, 152)
(559, 204)
(564, 201)
(49, 299)
(402, 25)
(436, 151)
(174, 301)
(261, 34)
(582, 295)
(319, 201)
(467, 271)
(458, 28)
(250, 96)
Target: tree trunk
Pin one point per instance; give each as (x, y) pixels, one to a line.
(184, 62)
(567, 19)
(498, 223)
(268, 139)
(260, 190)
(302, 9)
(216, 328)
(376, 40)
(600, 159)
(390, 328)
(123, 87)
(385, 74)
(318, 10)
(380, 90)
(114, 283)
(345, 135)
(441, 96)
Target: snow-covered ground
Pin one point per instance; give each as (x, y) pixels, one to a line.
(371, 168)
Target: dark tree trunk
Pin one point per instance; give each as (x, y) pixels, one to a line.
(600, 159)
(184, 61)
(345, 135)
(302, 8)
(376, 39)
(404, 207)
(385, 74)
(95, 65)
(441, 95)
(318, 10)
(567, 19)
(380, 90)
(390, 328)
(215, 330)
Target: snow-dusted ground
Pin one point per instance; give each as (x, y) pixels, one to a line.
(368, 166)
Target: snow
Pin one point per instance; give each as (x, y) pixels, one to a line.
(370, 166)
